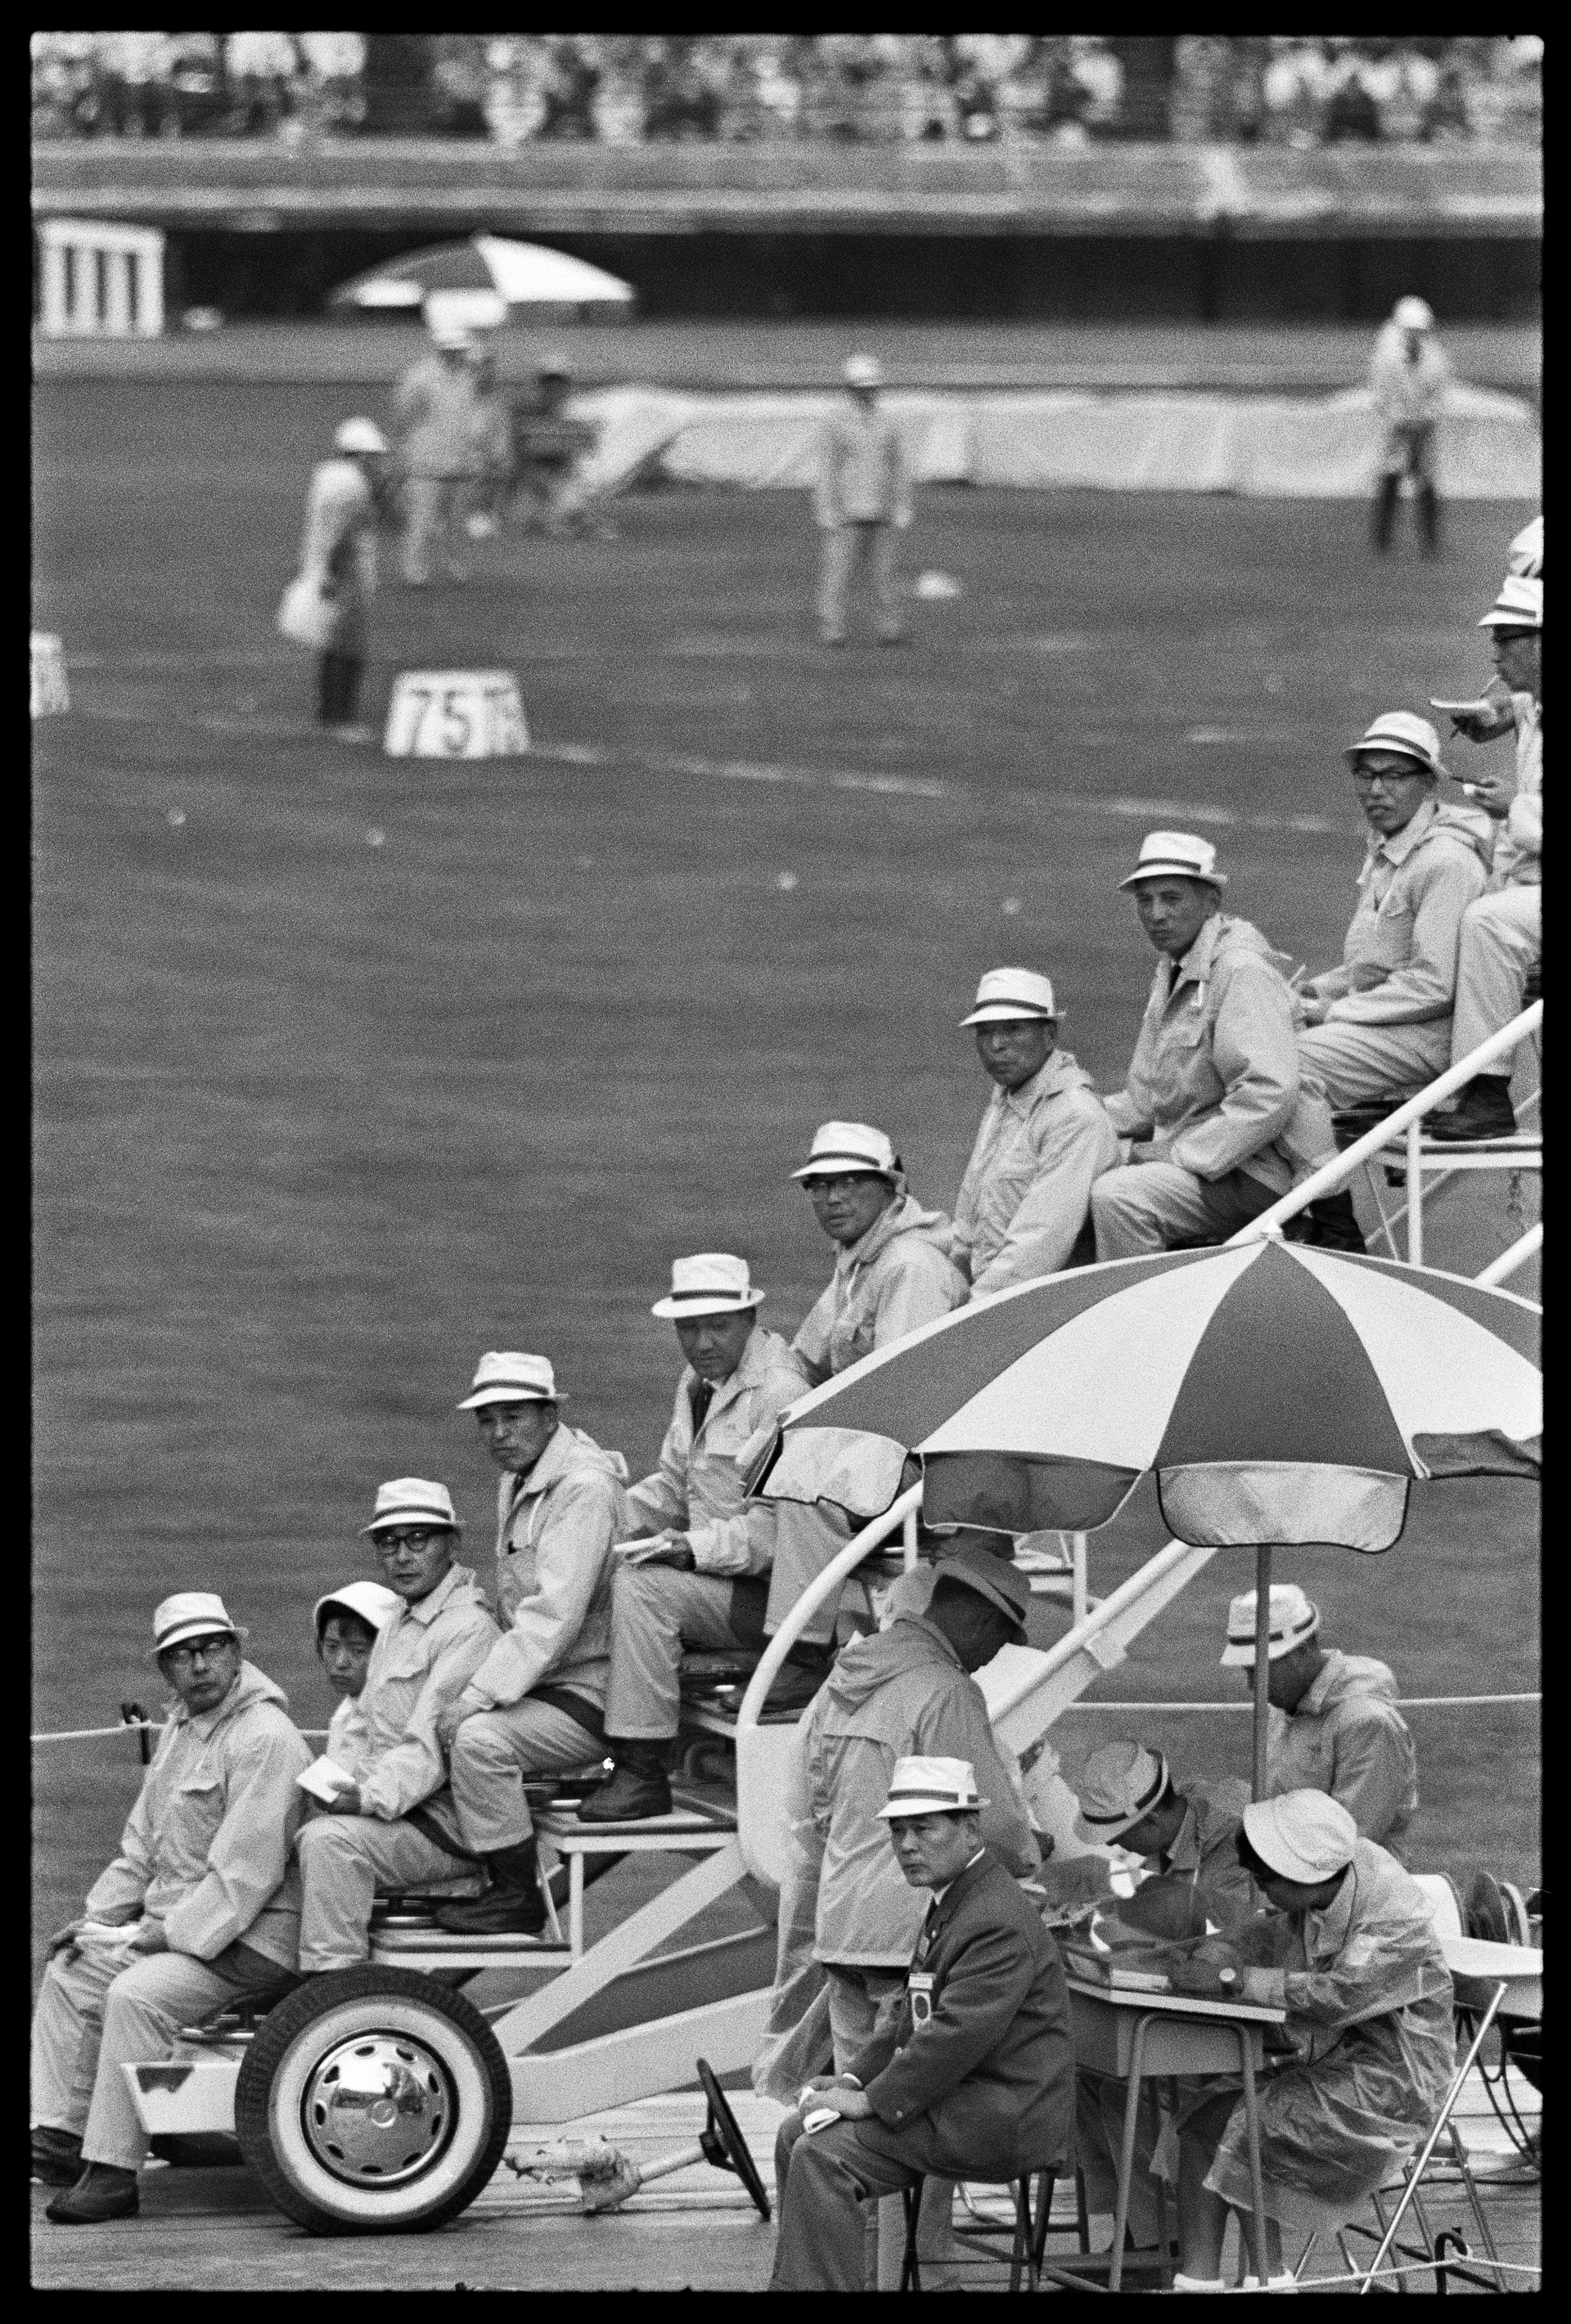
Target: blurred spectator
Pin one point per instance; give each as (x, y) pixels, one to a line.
(196, 74)
(618, 100)
(133, 90)
(459, 79)
(927, 109)
(568, 91)
(779, 90)
(680, 102)
(513, 104)
(336, 73)
(65, 84)
(263, 69)
(1352, 112)
(1294, 87)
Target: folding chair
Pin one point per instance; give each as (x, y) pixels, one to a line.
(1031, 2226)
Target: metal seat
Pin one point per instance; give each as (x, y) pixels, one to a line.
(1031, 2226)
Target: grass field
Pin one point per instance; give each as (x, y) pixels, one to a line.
(319, 1119)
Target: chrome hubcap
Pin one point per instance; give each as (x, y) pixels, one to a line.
(378, 2109)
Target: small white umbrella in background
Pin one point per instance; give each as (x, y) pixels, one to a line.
(496, 271)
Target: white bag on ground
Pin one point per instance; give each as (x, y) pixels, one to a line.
(305, 615)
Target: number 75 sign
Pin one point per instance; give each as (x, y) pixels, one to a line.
(454, 714)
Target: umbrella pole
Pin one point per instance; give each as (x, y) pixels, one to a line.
(1262, 1639)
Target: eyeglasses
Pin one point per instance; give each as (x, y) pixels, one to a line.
(1362, 781)
(185, 1654)
(408, 1537)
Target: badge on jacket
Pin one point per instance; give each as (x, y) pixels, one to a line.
(918, 1985)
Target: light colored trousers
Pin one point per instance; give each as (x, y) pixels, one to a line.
(344, 1860)
(861, 2002)
(434, 510)
(1502, 938)
(1358, 1064)
(94, 2015)
(1150, 1205)
(843, 548)
(491, 1756)
(656, 1611)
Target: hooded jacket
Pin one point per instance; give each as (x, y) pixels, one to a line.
(696, 1485)
(555, 1528)
(898, 1275)
(903, 1690)
(1346, 1736)
(206, 1849)
(1398, 960)
(1026, 1196)
(423, 1657)
(1520, 840)
(1214, 1074)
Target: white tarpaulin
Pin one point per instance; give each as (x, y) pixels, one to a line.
(1272, 446)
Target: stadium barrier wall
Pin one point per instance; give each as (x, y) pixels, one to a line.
(1267, 447)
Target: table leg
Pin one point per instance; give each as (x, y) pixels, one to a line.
(1255, 2231)
(576, 1905)
(1126, 2153)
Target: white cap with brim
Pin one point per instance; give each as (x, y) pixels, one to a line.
(1519, 606)
(369, 1602)
(1305, 1836)
(414, 1501)
(1008, 995)
(508, 1376)
(191, 1614)
(709, 1283)
(1121, 1783)
(864, 370)
(841, 1148)
(1293, 1621)
(920, 1786)
(359, 436)
(1176, 855)
(1404, 732)
(1413, 315)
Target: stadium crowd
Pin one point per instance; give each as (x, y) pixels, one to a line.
(849, 88)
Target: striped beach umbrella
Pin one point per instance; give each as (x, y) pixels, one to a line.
(514, 273)
(1280, 1394)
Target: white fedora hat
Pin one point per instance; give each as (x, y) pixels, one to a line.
(709, 1283)
(413, 1500)
(921, 1787)
(1402, 731)
(1519, 606)
(1120, 1782)
(191, 1614)
(1292, 1618)
(1526, 559)
(1166, 854)
(1414, 314)
(367, 1600)
(1305, 1835)
(842, 1147)
(507, 1376)
(359, 436)
(1005, 995)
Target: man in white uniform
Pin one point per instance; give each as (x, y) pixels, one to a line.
(339, 556)
(862, 499)
(443, 430)
(1408, 381)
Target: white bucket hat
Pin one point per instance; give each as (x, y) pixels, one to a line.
(930, 1787)
(413, 1500)
(1005, 995)
(840, 1148)
(191, 1614)
(1519, 606)
(1293, 1619)
(1413, 315)
(1305, 1835)
(1164, 854)
(367, 1599)
(864, 370)
(506, 1376)
(1403, 731)
(1525, 560)
(358, 436)
(709, 1283)
(1120, 1782)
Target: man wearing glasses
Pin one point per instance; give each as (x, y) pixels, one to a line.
(394, 1827)
(197, 1911)
(1379, 1026)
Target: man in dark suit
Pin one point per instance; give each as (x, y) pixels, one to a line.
(976, 2077)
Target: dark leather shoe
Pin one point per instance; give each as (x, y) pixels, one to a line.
(797, 1682)
(1485, 1110)
(628, 1796)
(1335, 1223)
(513, 1906)
(57, 2156)
(104, 2192)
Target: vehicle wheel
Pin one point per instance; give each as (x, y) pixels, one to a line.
(373, 2101)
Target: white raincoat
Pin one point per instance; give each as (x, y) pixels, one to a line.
(898, 1275)
(1026, 1196)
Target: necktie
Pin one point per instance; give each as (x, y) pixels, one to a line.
(700, 1396)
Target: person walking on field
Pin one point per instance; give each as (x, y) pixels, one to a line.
(338, 561)
(1409, 377)
(862, 499)
(442, 427)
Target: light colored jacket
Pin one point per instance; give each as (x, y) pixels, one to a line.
(862, 477)
(440, 420)
(206, 1850)
(1205, 1854)
(696, 1487)
(1026, 1194)
(555, 1528)
(424, 1655)
(1398, 958)
(339, 544)
(898, 1275)
(1346, 1736)
(1408, 394)
(348, 1743)
(1519, 845)
(904, 1690)
(1215, 1074)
